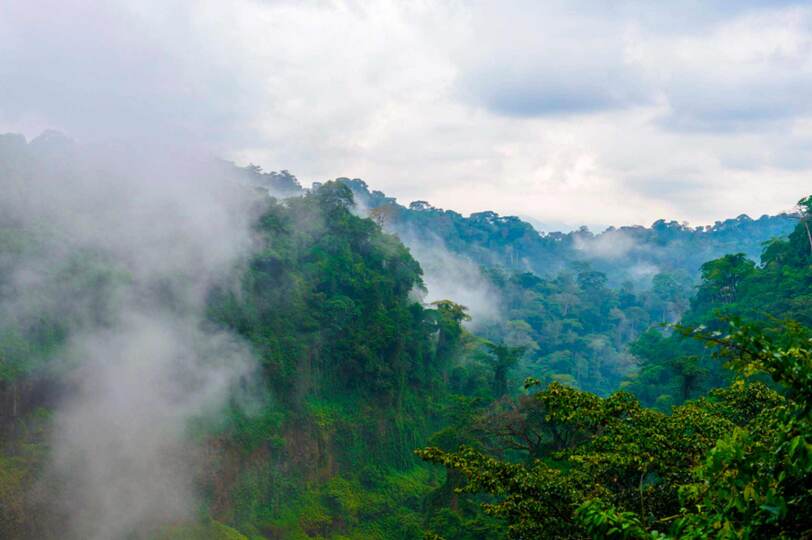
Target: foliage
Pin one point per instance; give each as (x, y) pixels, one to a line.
(755, 483)
(355, 373)
(510, 243)
(354, 366)
(575, 328)
(737, 464)
(673, 369)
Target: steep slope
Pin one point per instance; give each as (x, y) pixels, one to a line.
(295, 376)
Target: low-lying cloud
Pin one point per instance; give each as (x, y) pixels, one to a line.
(449, 276)
(121, 246)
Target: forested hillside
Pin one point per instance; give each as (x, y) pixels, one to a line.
(574, 301)
(629, 252)
(727, 455)
(315, 440)
(221, 354)
(507, 242)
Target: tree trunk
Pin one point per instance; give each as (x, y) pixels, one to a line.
(14, 399)
(808, 235)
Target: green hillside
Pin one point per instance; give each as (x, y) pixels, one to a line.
(345, 404)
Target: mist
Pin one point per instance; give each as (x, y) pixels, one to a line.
(449, 276)
(129, 240)
(446, 275)
(611, 244)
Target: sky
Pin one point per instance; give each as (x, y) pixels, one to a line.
(566, 113)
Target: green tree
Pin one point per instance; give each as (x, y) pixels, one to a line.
(503, 359)
(736, 464)
(805, 216)
(722, 278)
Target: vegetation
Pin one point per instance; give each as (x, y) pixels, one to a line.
(674, 369)
(592, 408)
(734, 464)
(625, 253)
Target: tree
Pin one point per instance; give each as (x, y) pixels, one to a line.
(334, 195)
(384, 215)
(449, 317)
(722, 277)
(591, 280)
(503, 358)
(735, 464)
(755, 482)
(805, 215)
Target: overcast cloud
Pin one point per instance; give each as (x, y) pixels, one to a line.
(571, 112)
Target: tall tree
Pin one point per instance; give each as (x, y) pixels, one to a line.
(503, 358)
(805, 215)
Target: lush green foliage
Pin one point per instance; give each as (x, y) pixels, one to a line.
(575, 328)
(354, 364)
(355, 373)
(622, 253)
(352, 368)
(734, 465)
(674, 369)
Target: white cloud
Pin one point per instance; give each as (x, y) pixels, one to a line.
(585, 112)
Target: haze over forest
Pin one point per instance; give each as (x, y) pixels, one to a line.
(383, 270)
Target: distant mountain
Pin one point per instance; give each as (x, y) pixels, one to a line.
(634, 252)
(629, 252)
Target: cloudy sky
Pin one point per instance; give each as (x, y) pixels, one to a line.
(572, 112)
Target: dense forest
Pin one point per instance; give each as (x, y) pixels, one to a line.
(319, 382)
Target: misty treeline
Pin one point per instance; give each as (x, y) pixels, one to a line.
(709, 436)
(190, 349)
(633, 253)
